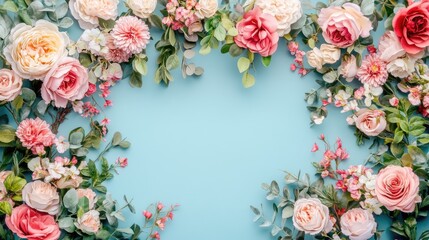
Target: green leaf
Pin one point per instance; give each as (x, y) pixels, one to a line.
(106, 24)
(204, 50)
(103, 234)
(136, 80)
(266, 61)
(243, 64)
(125, 144)
(5, 208)
(367, 7)
(7, 133)
(14, 184)
(155, 21)
(172, 62)
(67, 224)
(220, 33)
(65, 23)
(248, 80)
(117, 138)
(287, 212)
(330, 76)
(17, 103)
(10, 6)
(70, 200)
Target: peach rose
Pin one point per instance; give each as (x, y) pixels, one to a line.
(89, 222)
(330, 53)
(66, 81)
(342, 26)
(142, 8)
(370, 122)
(358, 224)
(311, 216)
(315, 58)
(87, 12)
(10, 85)
(89, 194)
(397, 188)
(32, 225)
(42, 197)
(206, 8)
(33, 51)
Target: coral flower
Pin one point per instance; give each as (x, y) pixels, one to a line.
(130, 34)
(373, 71)
(35, 134)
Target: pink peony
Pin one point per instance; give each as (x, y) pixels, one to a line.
(390, 48)
(397, 188)
(257, 31)
(130, 34)
(370, 122)
(116, 54)
(411, 25)
(342, 26)
(373, 71)
(35, 134)
(32, 225)
(358, 224)
(67, 81)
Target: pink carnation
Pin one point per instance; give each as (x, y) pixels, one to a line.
(373, 71)
(35, 134)
(116, 54)
(130, 34)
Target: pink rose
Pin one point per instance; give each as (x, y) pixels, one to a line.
(390, 48)
(397, 188)
(358, 224)
(342, 26)
(411, 25)
(89, 222)
(370, 122)
(10, 85)
(348, 68)
(32, 225)
(311, 216)
(257, 31)
(42, 196)
(89, 194)
(67, 81)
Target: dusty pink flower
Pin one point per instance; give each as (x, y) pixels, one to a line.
(426, 101)
(161, 223)
(257, 32)
(89, 222)
(42, 196)
(311, 216)
(358, 94)
(397, 188)
(115, 54)
(147, 214)
(315, 148)
(32, 225)
(373, 71)
(371, 122)
(414, 95)
(130, 34)
(342, 26)
(10, 85)
(390, 47)
(358, 224)
(35, 134)
(394, 101)
(67, 81)
(348, 68)
(122, 161)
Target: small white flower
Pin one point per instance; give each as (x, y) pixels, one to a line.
(56, 170)
(62, 145)
(94, 41)
(372, 205)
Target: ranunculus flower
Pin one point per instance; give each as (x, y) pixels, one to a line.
(342, 26)
(88, 193)
(411, 25)
(286, 12)
(315, 58)
(311, 216)
(10, 85)
(348, 68)
(89, 222)
(42, 197)
(32, 225)
(358, 224)
(67, 81)
(370, 122)
(397, 188)
(142, 8)
(330, 53)
(206, 8)
(35, 134)
(257, 32)
(87, 12)
(33, 51)
(389, 47)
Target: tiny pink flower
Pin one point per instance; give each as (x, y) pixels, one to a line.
(122, 161)
(105, 121)
(394, 101)
(130, 34)
(315, 148)
(160, 206)
(414, 95)
(358, 94)
(292, 67)
(325, 174)
(161, 223)
(155, 235)
(373, 71)
(147, 214)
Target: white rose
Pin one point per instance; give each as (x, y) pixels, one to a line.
(89, 222)
(87, 12)
(142, 8)
(401, 67)
(42, 197)
(330, 53)
(206, 8)
(33, 51)
(315, 58)
(287, 12)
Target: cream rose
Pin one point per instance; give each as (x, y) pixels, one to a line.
(286, 12)
(397, 188)
(10, 85)
(206, 8)
(358, 224)
(142, 8)
(311, 216)
(87, 12)
(89, 194)
(33, 51)
(401, 67)
(348, 68)
(370, 122)
(330, 53)
(315, 58)
(42, 197)
(89, 222)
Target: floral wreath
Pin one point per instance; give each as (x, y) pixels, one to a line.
(51, 186)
